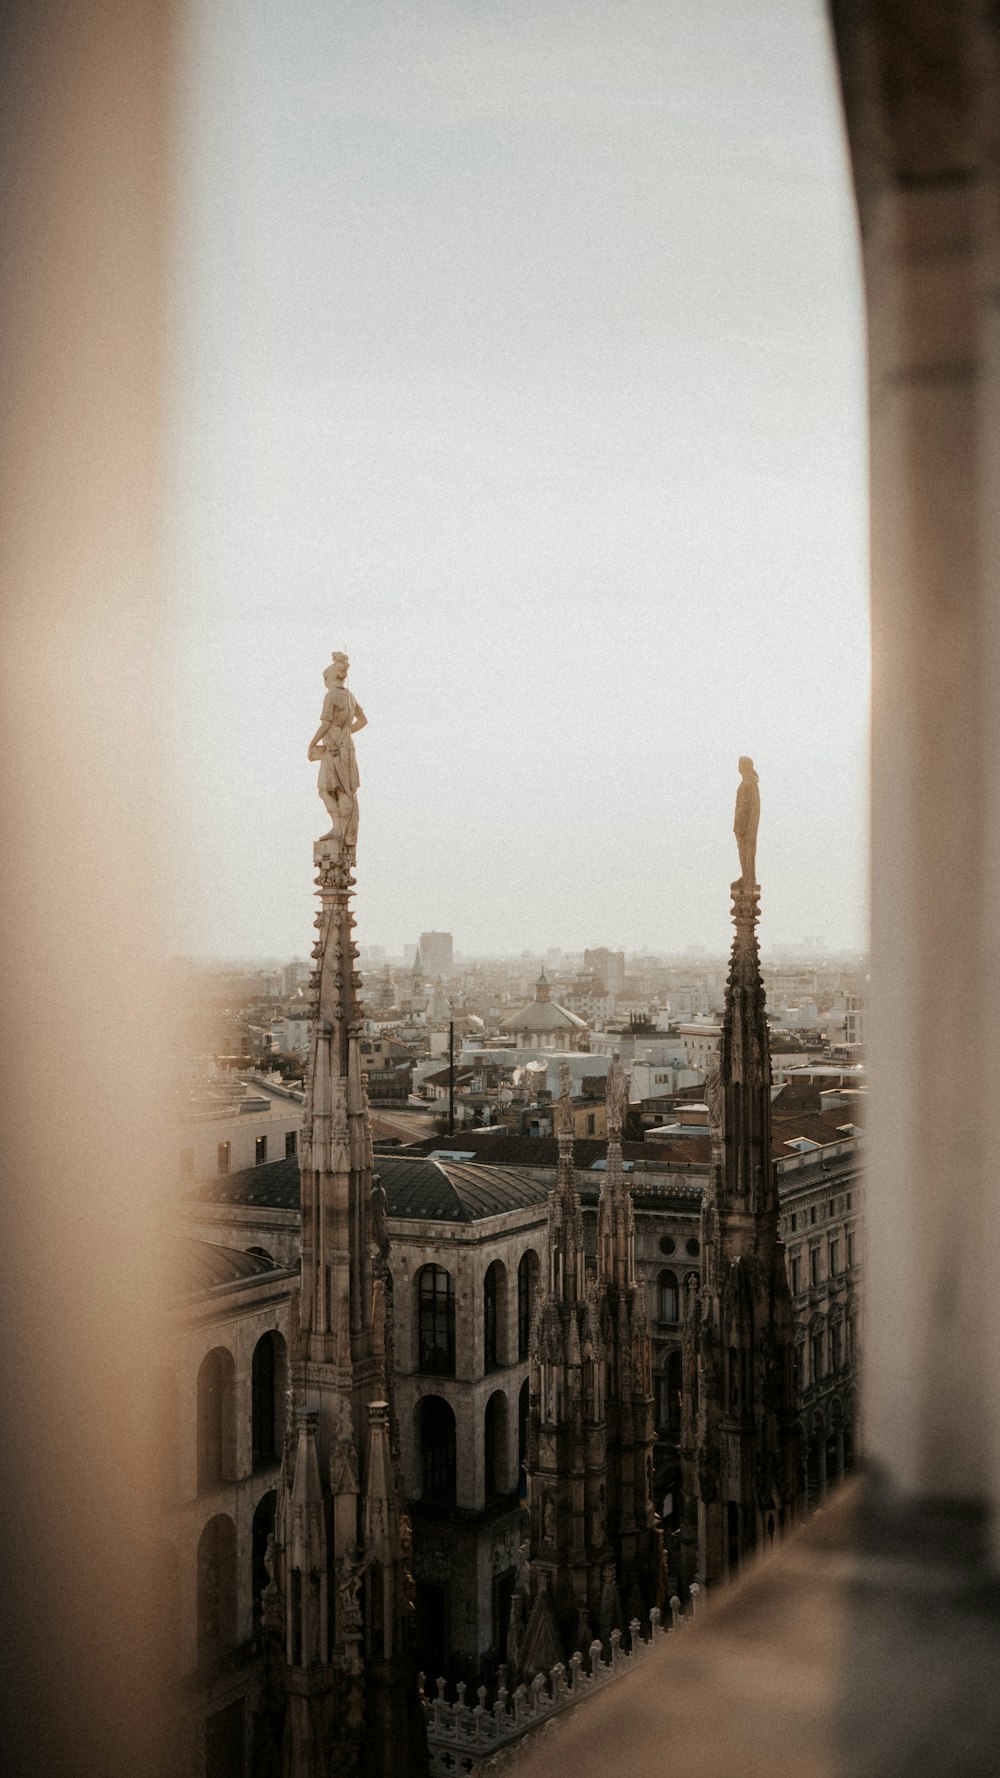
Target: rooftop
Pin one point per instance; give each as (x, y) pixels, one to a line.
(203, 1265)
(418, 1187)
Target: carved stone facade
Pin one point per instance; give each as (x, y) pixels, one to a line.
(741, 1469)
(593, 1552)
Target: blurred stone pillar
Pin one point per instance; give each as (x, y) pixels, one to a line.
(920, 90)
(83, 146)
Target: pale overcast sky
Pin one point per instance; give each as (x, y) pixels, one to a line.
(519, 353)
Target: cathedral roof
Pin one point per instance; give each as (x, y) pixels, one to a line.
(416, 1187)
(202, 1265)
(454, 1191)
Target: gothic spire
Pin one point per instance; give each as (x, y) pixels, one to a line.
(739, 1440)
(344, 1586)
(615, 1215)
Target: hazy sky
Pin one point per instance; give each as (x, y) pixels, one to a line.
(519, 353)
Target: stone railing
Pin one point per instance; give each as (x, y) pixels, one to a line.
(460, 1736)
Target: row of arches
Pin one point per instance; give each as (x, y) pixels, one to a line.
(436, 1441)
(434, 1288)
(218, 1406)
(217, 1583)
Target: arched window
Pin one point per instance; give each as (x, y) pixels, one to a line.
(495, 1316)
(216, 1587)
(436, 1317)
(267, 1399)
(527, 1284)
(263, 1525)
(437, 1449)
(496, 1445)
(216, 1419)
(669, 1299)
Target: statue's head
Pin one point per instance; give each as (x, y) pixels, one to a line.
(337, 670)
(746, 763)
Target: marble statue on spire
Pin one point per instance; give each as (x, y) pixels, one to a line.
(333, 746)
(616, 1096)
(745, 824)
(339, 1607)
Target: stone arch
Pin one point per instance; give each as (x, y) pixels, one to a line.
(497, 1459)
(216, 1434)
(436, 1441)
(216, 1588)
(434, 1296)
(268, 1382)
(528, 1271)
(494, 1316)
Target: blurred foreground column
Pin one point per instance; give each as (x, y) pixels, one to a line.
(83, 104)
(920, 90)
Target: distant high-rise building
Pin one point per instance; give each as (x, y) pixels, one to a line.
(295, 975)
(609, 965)
(437, 954)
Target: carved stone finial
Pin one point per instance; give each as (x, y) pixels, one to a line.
(333, 747)
(745, 825)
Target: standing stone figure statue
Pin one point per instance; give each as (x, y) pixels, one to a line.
(746, 823)
(564, 1108)
(616, 1096)
(333, 746)
(714, 1097)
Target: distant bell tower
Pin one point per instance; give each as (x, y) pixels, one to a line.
(739, 1434)
(338, 1599)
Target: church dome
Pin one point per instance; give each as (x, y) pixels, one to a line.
(543, 1015)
